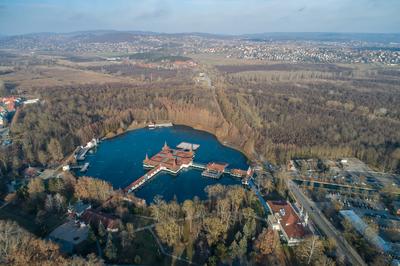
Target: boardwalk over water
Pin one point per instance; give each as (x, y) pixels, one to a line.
(83, 168)
(140, 181)
(199, 166)
(160, 168)
(174, 160)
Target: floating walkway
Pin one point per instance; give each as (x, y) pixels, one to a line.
(174, 160)
(140, 181)
(199, 166)
(245, 176)
(83, 168)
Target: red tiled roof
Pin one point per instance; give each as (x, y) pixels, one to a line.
(94, 218)
(289, 219)
(216, 167)
(239, 172)
(9, 102)
(170, 158)
(31, 172)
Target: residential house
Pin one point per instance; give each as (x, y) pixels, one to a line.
(94, 218)
(31, 172)
(76, 210)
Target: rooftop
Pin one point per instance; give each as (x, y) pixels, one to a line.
(79, 207)
(188, 146)
(217, 167)
(31, 172)
(170, 158)
(365, 230)
(94, 217)
(288, 219)
(69, 235)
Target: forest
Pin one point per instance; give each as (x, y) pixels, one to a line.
(301, 113)
(272, 112)
(285, 111)
(227, 228)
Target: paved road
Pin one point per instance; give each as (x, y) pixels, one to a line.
(343, 247)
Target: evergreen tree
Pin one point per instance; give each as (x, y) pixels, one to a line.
(242, 247)
(221, 251)
(110, 251)
(91, 236)
(101, 232)
(212, 261)
(234, 249)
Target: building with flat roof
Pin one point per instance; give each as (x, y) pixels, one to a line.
(69, 235)
(188, 146)
(363, 229)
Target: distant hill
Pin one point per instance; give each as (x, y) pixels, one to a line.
(127, 36)
(325, 36)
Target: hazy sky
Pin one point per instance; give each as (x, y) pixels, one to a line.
(213, 16)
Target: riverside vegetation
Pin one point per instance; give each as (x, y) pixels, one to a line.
(300, 110)
(269, 112)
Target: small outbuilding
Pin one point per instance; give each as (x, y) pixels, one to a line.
(78, 208)
(69, 235)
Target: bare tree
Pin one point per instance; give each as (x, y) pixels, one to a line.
(309, 250)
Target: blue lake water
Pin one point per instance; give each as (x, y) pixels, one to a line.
(120, 162)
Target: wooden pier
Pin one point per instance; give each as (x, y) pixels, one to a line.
(83, 168)
(81, 152)
(140, 181)
(174, 160)
(198, 166)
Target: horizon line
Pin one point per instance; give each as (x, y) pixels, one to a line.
(198, 32)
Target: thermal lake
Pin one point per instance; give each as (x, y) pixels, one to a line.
(120, 161)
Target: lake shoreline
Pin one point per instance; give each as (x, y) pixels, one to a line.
(119, 161)
(143, 125)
